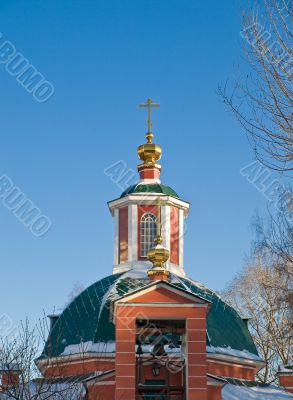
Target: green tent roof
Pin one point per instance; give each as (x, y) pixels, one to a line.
(87, 316)
(150, 188)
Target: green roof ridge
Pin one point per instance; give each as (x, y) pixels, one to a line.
(150, 188)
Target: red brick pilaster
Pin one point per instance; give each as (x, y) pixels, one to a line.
(125, 358)
(196, 358)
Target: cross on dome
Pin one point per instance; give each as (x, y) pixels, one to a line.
(149, 104)
(149, 152)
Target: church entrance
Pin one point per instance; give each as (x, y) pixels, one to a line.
(160, 351)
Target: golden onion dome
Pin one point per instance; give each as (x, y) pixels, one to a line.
(149, 153)
(158, 257)
(159, 254)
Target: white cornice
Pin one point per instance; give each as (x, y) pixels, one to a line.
(148, 199)
(144, 266)
(234, 359)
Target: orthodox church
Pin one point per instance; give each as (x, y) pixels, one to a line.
(147, 331)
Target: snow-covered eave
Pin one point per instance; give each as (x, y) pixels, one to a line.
(285, 373)
(46, 363)
(259, 363)
(232, 392)
(49, 362)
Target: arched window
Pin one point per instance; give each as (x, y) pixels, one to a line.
(148, 233)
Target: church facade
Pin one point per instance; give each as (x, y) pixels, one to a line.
(147, 331)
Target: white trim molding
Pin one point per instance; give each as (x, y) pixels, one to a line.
(181, 239)
(132, 232)
(166, 225)
(116, 237)
(148, 199)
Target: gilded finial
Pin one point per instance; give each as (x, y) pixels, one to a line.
(159, 255)
(149, 153)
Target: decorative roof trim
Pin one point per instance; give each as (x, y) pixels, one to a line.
(146, 199)
(167, 305)
(73, 359)
(233, 359)
(149, 181)
(88, 357)
(285, 373)
(100, 377)
(213, 380)
(159, 284)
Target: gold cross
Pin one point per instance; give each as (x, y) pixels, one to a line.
(149, 104)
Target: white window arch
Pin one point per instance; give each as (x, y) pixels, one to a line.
(148, 233)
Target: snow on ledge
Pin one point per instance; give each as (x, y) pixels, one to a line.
(233, 392)
(110, 347)
(89, 347)
(285, 369)
(228, 351)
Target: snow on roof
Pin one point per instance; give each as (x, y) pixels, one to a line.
(9, 367)
(110, 347)
(89, 347)
(233, 392)
(228, 351)
(105, 347)
(87, 317)
(286, 369)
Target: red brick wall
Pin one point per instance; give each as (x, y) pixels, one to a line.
(161, 295)
(79, 367)
(9, 378)
(123, 234)
(151, 173)
(102, 392)
(214, 393)
(287, 382)
(231, 370)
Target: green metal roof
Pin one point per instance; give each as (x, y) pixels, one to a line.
(87, 317)
(150, 188)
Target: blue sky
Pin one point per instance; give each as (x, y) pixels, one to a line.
(104, 58)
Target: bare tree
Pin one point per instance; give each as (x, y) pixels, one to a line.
(255, 295)
(275, 238)
(20, 376)
(263, 291)
(262, 102)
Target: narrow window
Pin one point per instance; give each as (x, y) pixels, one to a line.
(148, 233)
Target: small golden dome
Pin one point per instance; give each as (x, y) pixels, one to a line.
(149, 153)
(158, 256)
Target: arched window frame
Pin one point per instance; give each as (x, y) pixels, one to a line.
(148, 233)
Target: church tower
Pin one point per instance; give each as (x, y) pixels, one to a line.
(147, 331)
(136, 213)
